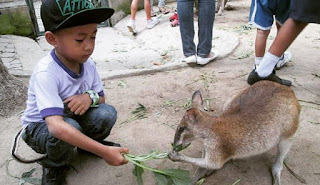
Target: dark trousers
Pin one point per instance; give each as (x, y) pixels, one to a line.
(96, 123)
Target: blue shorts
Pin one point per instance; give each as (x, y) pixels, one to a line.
(263, 13)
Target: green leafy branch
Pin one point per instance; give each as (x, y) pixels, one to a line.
(164, 176)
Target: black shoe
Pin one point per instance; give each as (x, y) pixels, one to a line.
(254, 77)
(107, 143)
(54, 176)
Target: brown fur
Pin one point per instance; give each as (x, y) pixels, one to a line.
(262, 116)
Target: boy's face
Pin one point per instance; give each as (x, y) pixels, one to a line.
(75, 44)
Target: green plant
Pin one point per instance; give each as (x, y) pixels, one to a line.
(164, 176)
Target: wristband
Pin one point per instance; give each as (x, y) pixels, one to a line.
(94, 97)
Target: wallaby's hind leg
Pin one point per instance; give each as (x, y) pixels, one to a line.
(283, 149)
(201, 172)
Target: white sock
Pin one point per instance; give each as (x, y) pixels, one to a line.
(267, 64)
(257, 61)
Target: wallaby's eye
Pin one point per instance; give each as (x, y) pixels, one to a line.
(181, 129)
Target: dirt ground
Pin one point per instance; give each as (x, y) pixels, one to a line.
(165, 96)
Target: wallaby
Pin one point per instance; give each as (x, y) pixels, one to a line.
(260, 117)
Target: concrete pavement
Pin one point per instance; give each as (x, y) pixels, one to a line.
(118, 53)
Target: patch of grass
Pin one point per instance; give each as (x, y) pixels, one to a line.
(243, 29)
(314, 123)
(242, 55)
(16, 24)
(139, 112)
(206, 80)
(122, 84)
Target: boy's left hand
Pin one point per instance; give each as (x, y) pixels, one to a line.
(78, 104)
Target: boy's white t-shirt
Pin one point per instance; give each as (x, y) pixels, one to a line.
(52, 82)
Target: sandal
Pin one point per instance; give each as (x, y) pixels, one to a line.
(153, 14)
(163, 10)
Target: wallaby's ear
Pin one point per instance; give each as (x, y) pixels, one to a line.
(197, 101)
(192, 116)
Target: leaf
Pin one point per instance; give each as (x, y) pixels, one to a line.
(162, 179)
(138, 171)
(35, 181)
(28, 174)
(179, 148)
(178, 176)
(201, 181)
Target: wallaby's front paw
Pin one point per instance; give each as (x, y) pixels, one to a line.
(174, 156)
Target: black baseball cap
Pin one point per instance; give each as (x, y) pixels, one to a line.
(59, 14)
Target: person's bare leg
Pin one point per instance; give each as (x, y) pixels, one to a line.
(286, 35)
(134, 9)
(147, 9)
(261, 42)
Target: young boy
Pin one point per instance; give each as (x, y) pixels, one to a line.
(262, 15)
(66, 104)
(301, 13)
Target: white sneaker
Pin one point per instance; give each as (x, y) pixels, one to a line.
(152, 22)
(132, 27)
(204, 61)
(190, 59)
(285, 58)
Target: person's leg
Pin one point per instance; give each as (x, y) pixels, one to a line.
(150, 22)
(134, 9)
(147, 8)
(260, 45)
(98, 122)
(286, 35)
(132, 24)
(161, 3)
(59, 153)
(186, 22)
(206, 17)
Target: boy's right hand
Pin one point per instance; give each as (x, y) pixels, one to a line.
(114, 155)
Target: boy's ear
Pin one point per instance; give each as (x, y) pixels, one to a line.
(51, 38)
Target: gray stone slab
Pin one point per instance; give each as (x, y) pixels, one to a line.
(3, 44)
(7, 60)
(15, 66)
(8, 50)
(10, 46)
(16, 61)
(7, 55)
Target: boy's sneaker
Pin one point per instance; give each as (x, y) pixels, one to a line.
(132, 27)
(152, 22)
(285, 58)
(54, 176)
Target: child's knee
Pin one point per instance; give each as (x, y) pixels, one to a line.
(109, 113)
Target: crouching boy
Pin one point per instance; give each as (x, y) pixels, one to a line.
(66, 80)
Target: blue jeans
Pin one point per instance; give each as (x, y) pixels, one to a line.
(161, 3)
(96, 123)
(206, 14)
